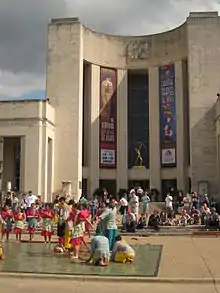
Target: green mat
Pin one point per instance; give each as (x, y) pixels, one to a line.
(40, 258)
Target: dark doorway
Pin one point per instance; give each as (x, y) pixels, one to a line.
(84, 186)
(110, 185)
(144, 184)
(167, 185)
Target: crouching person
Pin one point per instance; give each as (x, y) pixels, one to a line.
(99, 253)
(122, 252)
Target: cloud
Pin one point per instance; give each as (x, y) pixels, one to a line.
(23, 30)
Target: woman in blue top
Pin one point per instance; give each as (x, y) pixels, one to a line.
(109, 218)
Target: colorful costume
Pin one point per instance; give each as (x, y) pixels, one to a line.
(78, 227)
(19, 222)
(61, 225)
(47, 228)
(7, 221)
(33, 216)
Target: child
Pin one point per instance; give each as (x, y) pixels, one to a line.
(47, 229)
(33, 217)
(7, 217)
(19, 217)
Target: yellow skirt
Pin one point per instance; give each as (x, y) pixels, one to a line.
(67, 239)
(95, 259)
(55, 219)
(1, 252)
(123, 257)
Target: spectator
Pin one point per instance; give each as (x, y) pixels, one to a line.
(213, 220)
(154, 220)
(169, 205)
(134, 203)
(142, 222)
(131, 221)
(194, 215)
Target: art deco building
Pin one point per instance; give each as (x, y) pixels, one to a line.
(121, 111)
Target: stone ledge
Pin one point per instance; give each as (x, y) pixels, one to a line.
(89, 278)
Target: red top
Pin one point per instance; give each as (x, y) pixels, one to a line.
(85, 213)
(7, 214)
(18, 216)
(47, 214)
(33, 213)
(80, 217)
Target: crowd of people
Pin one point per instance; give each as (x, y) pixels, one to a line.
(179, 210)
(73, 220)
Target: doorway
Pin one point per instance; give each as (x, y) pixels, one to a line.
(167, 185)
(144, 184)
(110, 185)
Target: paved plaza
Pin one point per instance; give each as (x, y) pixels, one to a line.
(187, 264)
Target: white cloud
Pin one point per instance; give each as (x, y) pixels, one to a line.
(23, 28)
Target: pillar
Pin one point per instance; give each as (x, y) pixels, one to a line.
(154, 129)
(180, 150)
(122, 129)
(65, 92)
(33, 159)
(94, 129)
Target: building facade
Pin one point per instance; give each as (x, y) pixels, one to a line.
(129, 110)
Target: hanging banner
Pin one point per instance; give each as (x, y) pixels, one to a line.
(108, 118)
(167, 115)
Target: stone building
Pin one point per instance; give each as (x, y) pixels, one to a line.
(121, 111)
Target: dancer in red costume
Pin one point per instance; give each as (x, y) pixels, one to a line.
(47, 230)
(19, 218)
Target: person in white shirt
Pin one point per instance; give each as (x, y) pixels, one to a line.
(134, 203)
(123, 209)
(31, 198)
(169, 203)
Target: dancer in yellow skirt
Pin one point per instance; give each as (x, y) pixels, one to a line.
(122, 252)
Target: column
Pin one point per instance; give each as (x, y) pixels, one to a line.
(94, 129)
(44, 165)
(180, 153)
(122, 129)
(33, 159)
(22, 164)
(154, 129)
(65, 91)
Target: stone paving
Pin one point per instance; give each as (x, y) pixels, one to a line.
(191, 261)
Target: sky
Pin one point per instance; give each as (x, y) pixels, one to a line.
(23, 32)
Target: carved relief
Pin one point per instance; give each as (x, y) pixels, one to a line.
(138, 50)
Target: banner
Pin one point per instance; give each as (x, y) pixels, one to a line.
(167, 115)
(108, 118)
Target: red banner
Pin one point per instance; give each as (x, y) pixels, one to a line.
(108, 118)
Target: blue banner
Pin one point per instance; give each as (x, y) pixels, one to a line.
(167, 115)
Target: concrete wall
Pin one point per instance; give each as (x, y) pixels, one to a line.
(32, 122)
(203, 30)
(70, 44)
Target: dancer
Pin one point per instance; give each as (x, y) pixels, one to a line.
(77, 236)
(19, 218)
(86, 213)
(33, 218)
(122, 252)
(63, 212)
(7, 217)
(99, 254)
(47, 230)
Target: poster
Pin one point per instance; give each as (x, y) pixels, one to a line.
(167, 115)
(108, 118)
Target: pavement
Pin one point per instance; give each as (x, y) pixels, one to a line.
(187, 263)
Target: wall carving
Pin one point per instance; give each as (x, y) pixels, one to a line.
(138, 50)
